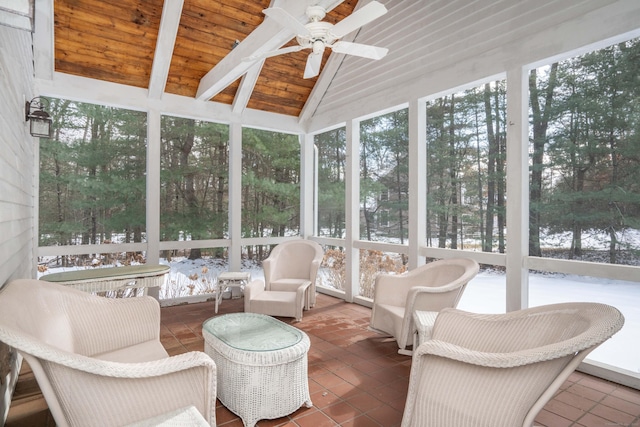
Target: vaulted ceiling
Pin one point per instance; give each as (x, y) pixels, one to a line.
(183, 50)
(192, 48)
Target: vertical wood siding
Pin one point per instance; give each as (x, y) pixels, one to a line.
(17, 182)
(442, 44)
(17, 157)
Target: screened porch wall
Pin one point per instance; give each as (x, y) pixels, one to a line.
(573, 28)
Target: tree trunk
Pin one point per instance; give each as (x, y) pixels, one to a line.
(189, 186)
(540, 125)
(487, 244)
(500, 173)
(453, 176)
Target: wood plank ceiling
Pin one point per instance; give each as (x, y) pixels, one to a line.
(116, 41)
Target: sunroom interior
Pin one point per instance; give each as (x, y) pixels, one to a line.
(188, 59)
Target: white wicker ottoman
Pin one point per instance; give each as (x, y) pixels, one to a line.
(262, 365)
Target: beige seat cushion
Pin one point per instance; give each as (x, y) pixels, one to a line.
(142, 352)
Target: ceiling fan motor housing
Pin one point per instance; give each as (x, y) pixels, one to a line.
(318, 32)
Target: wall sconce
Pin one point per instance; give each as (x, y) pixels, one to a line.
(41, 121)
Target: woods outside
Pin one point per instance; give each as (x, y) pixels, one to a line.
(584, 172)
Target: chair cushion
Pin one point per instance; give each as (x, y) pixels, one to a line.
(286, 284)
(275, 303)
(389, 319)
(142, 352)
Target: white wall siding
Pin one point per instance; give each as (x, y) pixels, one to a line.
(17, 185)
(17, 158)
(457, 42)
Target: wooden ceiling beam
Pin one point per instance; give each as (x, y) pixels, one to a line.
(266, 37)
(169, 23)
(247, 84)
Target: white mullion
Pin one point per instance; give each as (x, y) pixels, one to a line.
(352, 210)
(517, 292)
(235, 196)
(417, 180)
(307, 190)
(153, 190)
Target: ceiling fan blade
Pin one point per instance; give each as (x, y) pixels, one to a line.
(312, 69)
(357, 19)
(286, 20)
(357, 49)
(274, 53)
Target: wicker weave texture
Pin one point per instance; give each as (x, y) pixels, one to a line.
(292, 263)
(112, 278)
(431, 287)
(276, 303)
(186, 417)
(60, 330)
(499, 370)
(259, 385)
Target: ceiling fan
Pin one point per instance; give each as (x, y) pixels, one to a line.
(318, 35)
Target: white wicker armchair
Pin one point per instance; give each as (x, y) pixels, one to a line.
(431, 287)
(99, 361)
(291, 264)
(499, 370)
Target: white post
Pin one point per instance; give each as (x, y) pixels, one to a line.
(307, 187)
(154, 129)
(517, 292)
(235, 196)
(352, 210)
(417, 180)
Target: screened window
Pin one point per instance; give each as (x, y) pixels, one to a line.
(331, 148)
(585, 169)
(193, 180)
(585, 182)
(270, 183)
(466, 153)
(92, 177)
(384, 177)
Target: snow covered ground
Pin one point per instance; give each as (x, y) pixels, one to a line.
(486, 294)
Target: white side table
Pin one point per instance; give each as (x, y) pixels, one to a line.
(234, 280)
(424, 321)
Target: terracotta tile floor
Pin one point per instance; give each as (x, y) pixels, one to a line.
(357, 378)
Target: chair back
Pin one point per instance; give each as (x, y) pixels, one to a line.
(451, 275)
(295, 259)
(100, 360)
(500, 370)
(35, 320)
(38, 309)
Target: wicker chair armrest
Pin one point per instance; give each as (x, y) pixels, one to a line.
(453, 329)
(124, 393)
(493, 360)
(154, 368)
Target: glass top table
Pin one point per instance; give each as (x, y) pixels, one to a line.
(261, 365)
(252, 332)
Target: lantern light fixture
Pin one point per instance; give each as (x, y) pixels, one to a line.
(41, 121)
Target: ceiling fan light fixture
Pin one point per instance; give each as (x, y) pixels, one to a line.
(318, 47)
